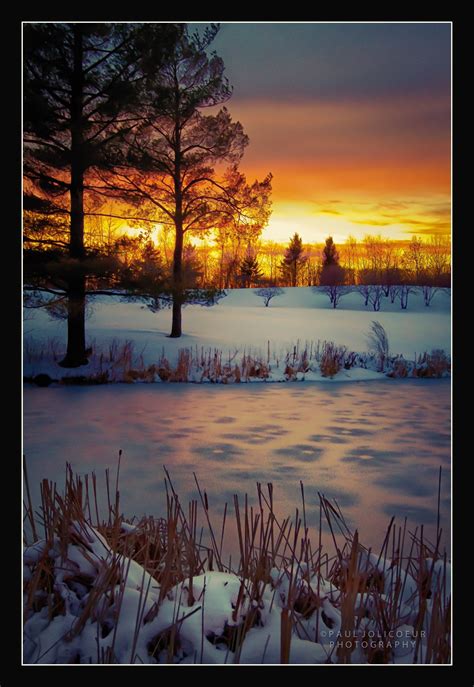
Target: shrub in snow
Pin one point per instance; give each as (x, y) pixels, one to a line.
(269, 292)
(400, 368)
(332, 359)
(350, 359)
(434, 364)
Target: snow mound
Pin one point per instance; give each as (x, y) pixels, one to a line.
(105, 607)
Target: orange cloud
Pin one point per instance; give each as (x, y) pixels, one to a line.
(376, 151)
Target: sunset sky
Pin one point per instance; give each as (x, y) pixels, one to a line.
(353, 120)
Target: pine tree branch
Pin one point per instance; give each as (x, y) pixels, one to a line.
(107, 56)
(54, 145)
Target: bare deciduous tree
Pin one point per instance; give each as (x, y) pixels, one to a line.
(335, 292)
(269, 292)
(404, 291)
(375, 296)
(429, 293)
(394, 292)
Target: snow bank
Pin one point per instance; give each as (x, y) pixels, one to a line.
(215, 619)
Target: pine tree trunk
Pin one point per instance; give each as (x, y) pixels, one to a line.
(178, 294)
(76, 340)
(178, 290)
(221, 275)
(176, 326)
(76, 330)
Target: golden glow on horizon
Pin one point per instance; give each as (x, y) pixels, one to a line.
(317, 220)
(351, 168)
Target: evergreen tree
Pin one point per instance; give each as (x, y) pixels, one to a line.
(168, 164)
(144, 278)
(332, 274)
(330, 254)
(82, 85)
(192, 267)
(250, 272)
(293, 261)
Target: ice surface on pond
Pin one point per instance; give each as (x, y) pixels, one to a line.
(375, 447)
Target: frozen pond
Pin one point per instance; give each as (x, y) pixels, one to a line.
(375, 447)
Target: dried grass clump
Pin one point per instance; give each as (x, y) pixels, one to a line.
(332, 359)
(304, 363)
(400, 368)
(147, 374)
(434, 364)
(183, 366)
(378, 344)
(298, 361)
(164, 370)
(256, 368)
(38, 352)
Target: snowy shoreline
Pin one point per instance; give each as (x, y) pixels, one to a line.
(344, 377)
(282, 342)
(321, 362)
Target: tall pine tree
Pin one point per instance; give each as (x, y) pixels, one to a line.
(332, 274)
(82, 84)
(293, 261)
(250, 272)
(169, 165)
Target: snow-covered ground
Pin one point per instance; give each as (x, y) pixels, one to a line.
(240, 323)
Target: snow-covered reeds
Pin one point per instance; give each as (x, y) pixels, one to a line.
(120, 362)
(378, 343)
(106, 589)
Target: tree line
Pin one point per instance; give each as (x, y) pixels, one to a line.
(253, 262)
(373, 260)
(422, 266)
